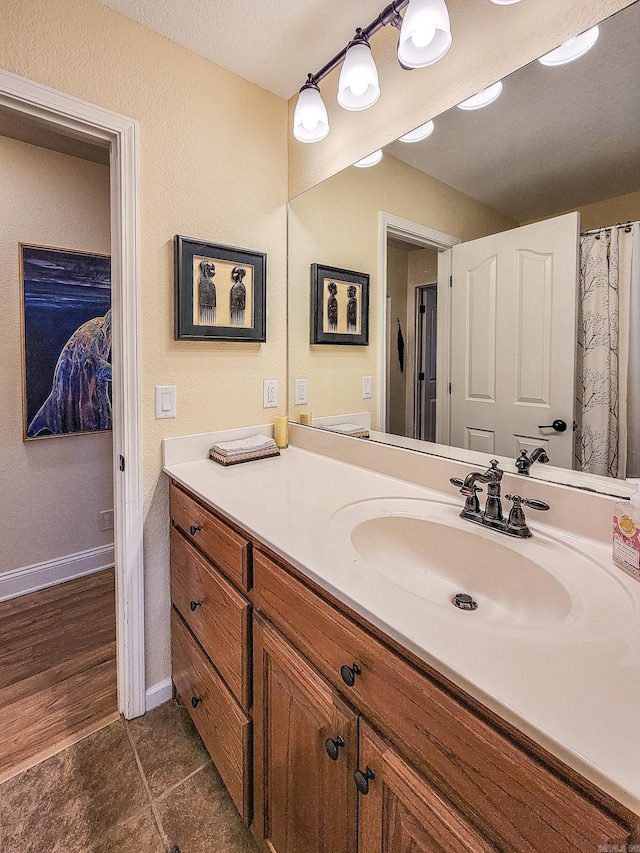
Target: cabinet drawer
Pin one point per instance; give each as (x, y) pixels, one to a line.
(215, 611)
(221, 544)
(504, 791)
(223, 726)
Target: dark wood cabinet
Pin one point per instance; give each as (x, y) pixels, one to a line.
(305, 748)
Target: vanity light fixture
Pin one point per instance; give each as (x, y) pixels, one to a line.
(505, 2)
(483, 98)
(425, 37)
(358, 87)
(419, 133)
(572, 49)
(310, 119)
(370, 160)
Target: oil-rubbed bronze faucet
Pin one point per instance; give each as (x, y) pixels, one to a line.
(491, 516)
(524, 461)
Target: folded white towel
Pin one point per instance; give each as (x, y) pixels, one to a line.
(244, 445)
(347, 429)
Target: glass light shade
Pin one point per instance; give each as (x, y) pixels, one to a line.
(425, 35)
(484, 98)
(572, 49)
(370, 160)
(310, 119)
(419, 133)
(505, 2)
(358, 87)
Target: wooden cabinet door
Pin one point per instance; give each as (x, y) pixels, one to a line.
(402, 813)
(305, 801)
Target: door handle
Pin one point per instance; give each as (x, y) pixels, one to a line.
(558, 425)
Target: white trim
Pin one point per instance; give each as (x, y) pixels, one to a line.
(419, 235)
(158, 693)
(51, 572)
(93, 123)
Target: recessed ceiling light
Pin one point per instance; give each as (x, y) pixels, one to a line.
(482, 99)
(572, 49)
(370, 160)
(419, 133)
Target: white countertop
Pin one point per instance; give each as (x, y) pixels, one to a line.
(576, 696)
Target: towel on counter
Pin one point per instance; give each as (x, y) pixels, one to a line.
(348, 429)
(242, 446)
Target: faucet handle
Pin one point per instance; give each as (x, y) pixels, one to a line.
(530, 502)
(459, 482)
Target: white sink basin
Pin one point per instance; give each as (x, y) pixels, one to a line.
(425, 549)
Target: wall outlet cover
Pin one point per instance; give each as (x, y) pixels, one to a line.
(270, 394)
(300, 393)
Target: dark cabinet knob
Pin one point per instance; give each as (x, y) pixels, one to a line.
(195, 701)
(348, 674)
(194, 605)
(362, 779)
(194, 529)
(558, 425)
(332, 747)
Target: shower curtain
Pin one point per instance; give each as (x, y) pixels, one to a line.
(608, 368)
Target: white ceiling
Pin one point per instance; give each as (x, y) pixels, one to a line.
(273, 43)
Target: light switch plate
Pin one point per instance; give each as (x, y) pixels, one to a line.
(165, 401)
(366, 388)
(300, 395)
(270, 394)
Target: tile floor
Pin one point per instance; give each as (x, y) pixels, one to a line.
(137, 786)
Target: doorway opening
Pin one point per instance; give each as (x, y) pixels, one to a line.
(82, 121)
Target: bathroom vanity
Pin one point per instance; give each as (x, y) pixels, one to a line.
(347, 710)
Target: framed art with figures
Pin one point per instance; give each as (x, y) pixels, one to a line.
(339, 306)
(219, 292)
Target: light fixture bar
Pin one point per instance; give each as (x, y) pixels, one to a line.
(389, 15)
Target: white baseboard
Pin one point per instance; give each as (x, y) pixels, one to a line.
(158, 693)
(42, 575)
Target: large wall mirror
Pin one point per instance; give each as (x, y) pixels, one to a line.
(504, 280)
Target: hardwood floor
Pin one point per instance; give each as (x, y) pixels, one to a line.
(57, 669)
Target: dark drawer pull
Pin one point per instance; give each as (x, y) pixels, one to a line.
(194, 529)
(362, 779)
(195, 701)
(332, 747)
(194, 605)
(348, 674)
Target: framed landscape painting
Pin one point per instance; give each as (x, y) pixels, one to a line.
(66, 341)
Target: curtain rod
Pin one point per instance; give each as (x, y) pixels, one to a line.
(606, 227)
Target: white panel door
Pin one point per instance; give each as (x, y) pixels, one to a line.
(513, 339)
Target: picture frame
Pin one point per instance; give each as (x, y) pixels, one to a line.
(219, 292)
(339, 306)
(65, 298)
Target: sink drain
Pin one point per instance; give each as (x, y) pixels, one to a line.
(464, 601)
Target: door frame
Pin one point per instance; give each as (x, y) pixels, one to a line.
(82, 120)
(427, 238)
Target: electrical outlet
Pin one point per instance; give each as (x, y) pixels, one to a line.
(106, 519)
(270, 394)
(366, 388)
(300, 396)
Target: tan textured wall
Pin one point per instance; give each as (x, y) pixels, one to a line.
(625, 208)
(489, 42)
(213, 166)
(52, 490)
(336, 223)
